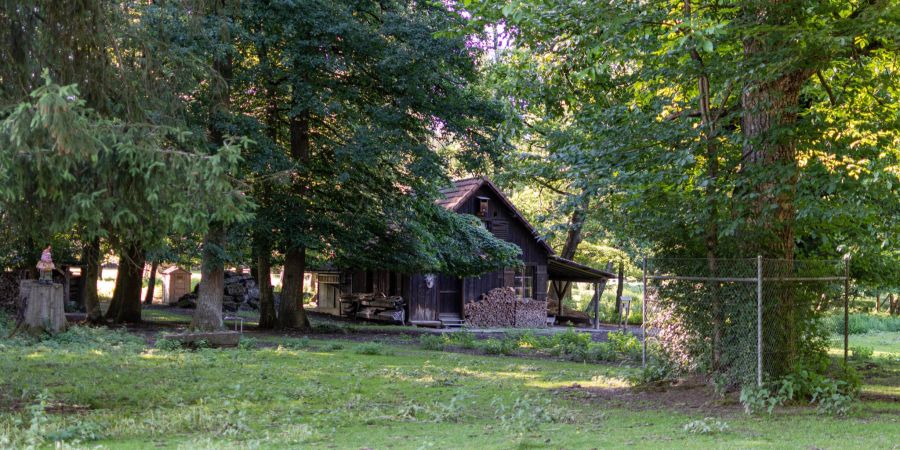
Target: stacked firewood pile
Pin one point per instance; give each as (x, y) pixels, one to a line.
(501, 308)
(373, 306)
(241, 294)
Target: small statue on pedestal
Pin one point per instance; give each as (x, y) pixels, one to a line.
(45, 266)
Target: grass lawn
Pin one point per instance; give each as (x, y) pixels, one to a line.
(106, 388)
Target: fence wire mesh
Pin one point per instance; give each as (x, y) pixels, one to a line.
(740, 320)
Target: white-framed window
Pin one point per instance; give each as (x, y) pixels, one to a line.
(523, 281)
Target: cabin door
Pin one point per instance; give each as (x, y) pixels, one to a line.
(450, 295)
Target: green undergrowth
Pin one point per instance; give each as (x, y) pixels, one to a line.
(860, 323)
(569, 345)
(97, 388)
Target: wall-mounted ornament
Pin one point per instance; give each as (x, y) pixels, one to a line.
(429, 280)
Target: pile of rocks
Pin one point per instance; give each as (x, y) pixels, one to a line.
(241, 294)
(500, 308)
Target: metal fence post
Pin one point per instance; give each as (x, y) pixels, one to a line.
(846, 308)
(644, 317)
(759, 306)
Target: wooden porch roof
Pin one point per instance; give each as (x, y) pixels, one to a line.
(561, 269)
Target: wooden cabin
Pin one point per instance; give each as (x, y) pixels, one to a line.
(438, 299)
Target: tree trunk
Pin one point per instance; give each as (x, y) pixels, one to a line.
(769, 114)
(267, 317)
(208, 315)
(573, 239)
(709, 133)
(44, 310)
(576, 225)
(125, 306)
(151, 283)
(91, 259)
(291, 313)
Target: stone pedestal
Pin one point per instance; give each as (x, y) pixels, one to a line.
(44, 307)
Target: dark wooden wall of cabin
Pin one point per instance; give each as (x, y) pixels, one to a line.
(423, 303)
(505, 226)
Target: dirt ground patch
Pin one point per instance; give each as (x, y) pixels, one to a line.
(687, 396)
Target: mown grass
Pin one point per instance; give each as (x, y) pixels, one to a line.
(96, 387)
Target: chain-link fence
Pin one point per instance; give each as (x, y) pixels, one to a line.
(740, 319)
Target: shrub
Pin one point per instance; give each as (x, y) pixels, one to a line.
(372, 348)
(167, 344)
(655, 372)
(601, 351)
(861, 353)
(434, 342)
(247, 343)
(626, 344)
(500, 346)
(333, 346)
(830, 395)
(758, 398)
(462, 339)
(296, 344)
(569, 343)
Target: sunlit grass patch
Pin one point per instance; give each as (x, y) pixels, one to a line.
(316, 393)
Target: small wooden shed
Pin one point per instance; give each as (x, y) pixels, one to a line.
(176, 282)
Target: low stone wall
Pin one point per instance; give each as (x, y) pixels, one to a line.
(501, 308)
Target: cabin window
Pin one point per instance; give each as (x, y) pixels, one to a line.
(524, 282)
(482, 210)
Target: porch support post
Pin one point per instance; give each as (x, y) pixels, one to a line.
(560, 293)
(596, 306)
(644, 315)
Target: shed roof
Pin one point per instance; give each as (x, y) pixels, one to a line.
(173, 269)
(562, 269)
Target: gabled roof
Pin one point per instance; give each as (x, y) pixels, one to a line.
(461, 191)
(458, 192)
(173, 269)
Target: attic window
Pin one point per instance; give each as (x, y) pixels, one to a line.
(482, 207)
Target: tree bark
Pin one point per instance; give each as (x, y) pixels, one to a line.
(44, 310)
(91, 258)
(291, 313)
(125, 306)
(576, 225)
(151, 283)
(208, 315)
(770, 106)
(267, 316)
(573, 239)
